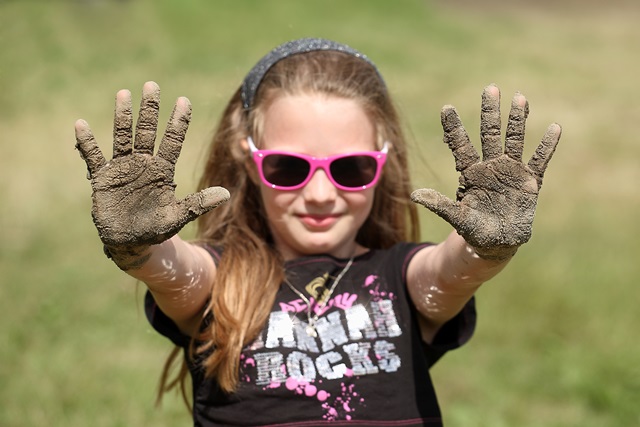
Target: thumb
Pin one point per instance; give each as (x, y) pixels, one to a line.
(203, 201)
(439, 204)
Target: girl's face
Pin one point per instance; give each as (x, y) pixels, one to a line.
(317, 218)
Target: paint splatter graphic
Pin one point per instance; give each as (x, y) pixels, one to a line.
(344, 406)
(376, 294)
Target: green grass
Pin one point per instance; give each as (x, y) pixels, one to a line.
(556, 341)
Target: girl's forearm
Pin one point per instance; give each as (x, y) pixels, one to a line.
(458, 265)
(444, 277)
(179, 275)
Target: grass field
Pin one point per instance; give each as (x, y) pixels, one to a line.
(555, 342)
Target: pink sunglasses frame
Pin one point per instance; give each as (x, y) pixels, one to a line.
(319, 163)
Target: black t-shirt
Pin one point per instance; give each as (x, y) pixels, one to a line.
(366, 366)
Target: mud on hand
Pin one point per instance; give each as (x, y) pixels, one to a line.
(134, 202)
(497, 196)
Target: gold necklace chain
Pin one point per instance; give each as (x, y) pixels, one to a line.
(311, 326)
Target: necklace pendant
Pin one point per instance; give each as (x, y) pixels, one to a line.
(311, 331)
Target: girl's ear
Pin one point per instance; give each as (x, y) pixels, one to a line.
(244, 144)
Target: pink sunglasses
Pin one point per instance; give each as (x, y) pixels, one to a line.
(282, 170)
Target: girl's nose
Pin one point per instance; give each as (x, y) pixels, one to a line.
(320, 189)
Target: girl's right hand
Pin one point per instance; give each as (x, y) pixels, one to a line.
(134, 204)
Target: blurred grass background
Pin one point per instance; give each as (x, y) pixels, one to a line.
(556, 342)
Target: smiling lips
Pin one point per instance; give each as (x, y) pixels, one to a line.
(318, 221)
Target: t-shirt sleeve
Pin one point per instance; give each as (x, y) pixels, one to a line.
(162, 323)
(453, 334)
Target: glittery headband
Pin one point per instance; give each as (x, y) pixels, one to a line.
(253, 79)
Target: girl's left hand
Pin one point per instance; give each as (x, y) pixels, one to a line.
(497, 196)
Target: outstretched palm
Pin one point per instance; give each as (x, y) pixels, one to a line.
(134, 200)
(497, 195)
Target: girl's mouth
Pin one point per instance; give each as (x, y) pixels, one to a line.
(318, 221)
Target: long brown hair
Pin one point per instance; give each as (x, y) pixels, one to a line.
(250, 270)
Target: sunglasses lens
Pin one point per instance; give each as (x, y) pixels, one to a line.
(285, 171)
(354, 171)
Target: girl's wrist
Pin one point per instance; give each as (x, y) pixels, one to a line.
(499, 254)
(128, 258)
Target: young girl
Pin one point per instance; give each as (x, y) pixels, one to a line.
(305, 300)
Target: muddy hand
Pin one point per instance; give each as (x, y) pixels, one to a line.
(134, 202)
(497, 196)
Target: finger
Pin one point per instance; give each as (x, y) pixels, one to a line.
(439, 204)
(148, 118)
(203, 201)
(171, 143)
(456, 137)
(490, 123)
(545, 150)
(88, 148)
(514, 140)
(122, 125)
